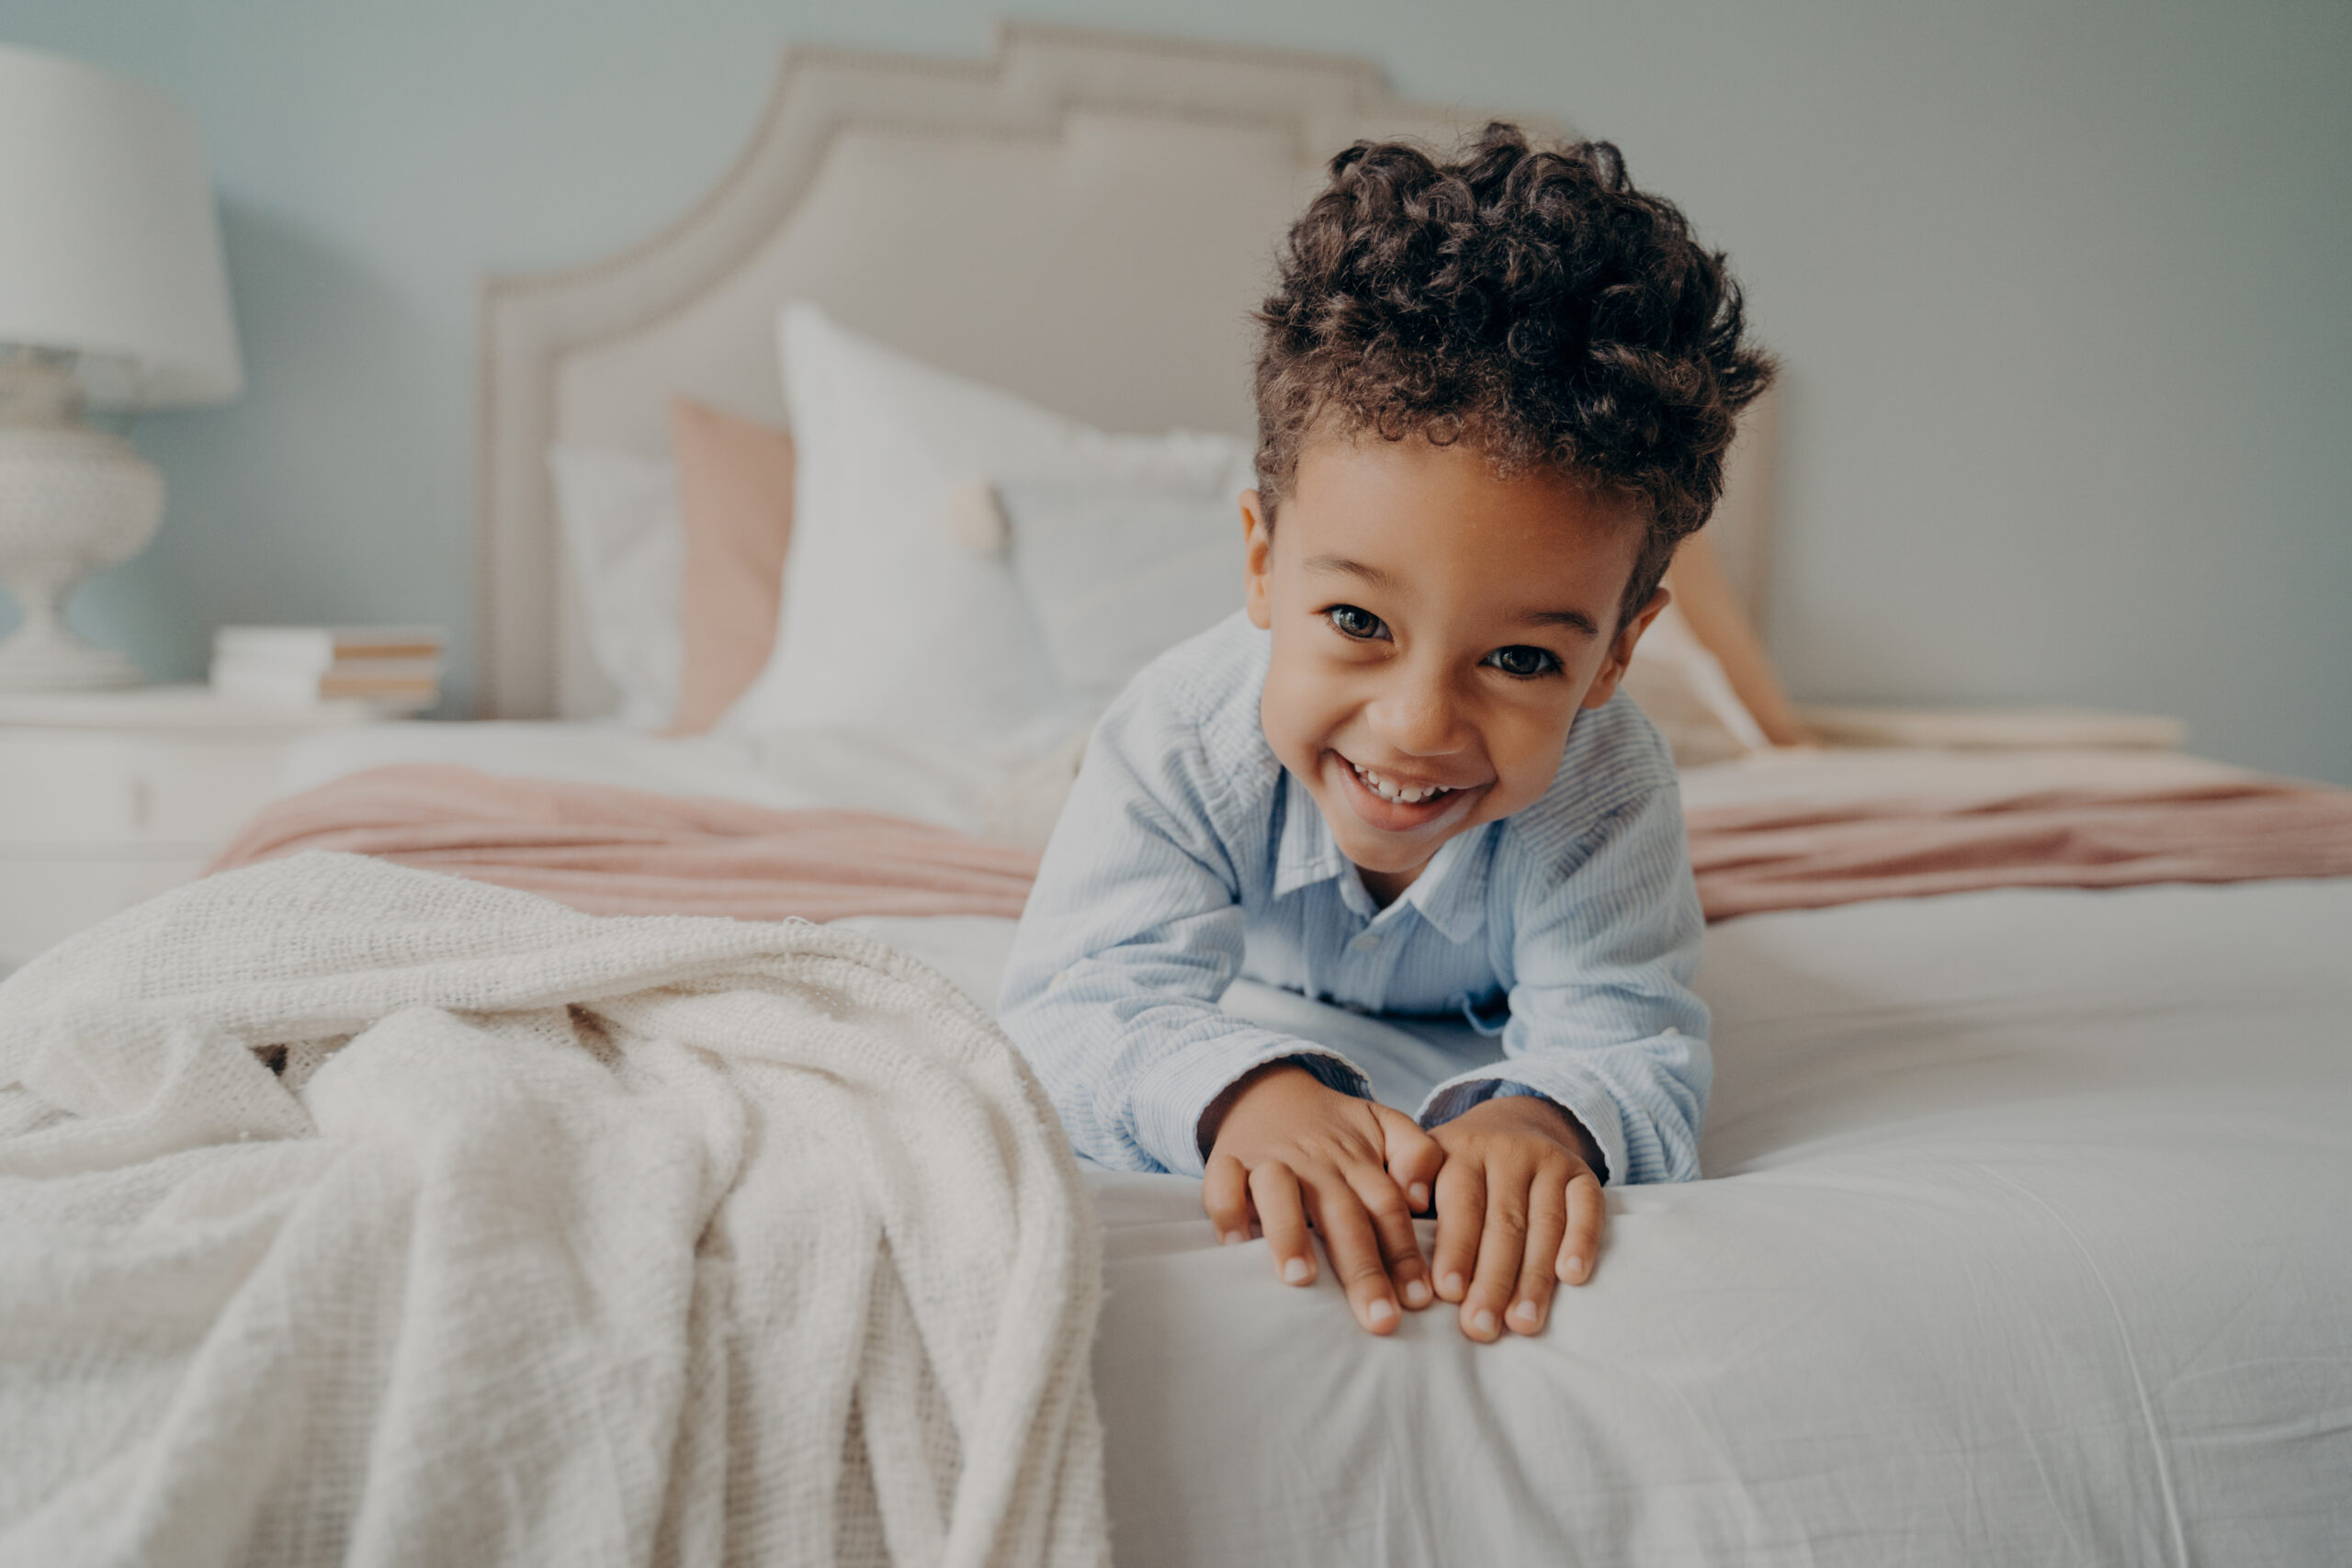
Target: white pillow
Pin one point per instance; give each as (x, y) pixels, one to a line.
(888, 623)
(622, 534)
(1681, 686)
(1117, 575)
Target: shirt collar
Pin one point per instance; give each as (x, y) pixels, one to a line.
(1306, 854)
(1449, 893)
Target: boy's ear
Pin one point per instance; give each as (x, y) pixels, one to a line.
(1620, 650)
(1258, 560)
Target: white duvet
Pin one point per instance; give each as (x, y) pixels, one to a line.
(2026, 1237)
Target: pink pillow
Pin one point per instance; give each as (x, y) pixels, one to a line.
(735, 506)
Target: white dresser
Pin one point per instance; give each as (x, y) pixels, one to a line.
(110, 798)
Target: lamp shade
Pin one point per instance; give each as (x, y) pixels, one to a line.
(109, 247)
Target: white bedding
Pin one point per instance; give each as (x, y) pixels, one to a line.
(2024, 1239)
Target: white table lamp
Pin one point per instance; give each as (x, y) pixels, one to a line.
(112, 294)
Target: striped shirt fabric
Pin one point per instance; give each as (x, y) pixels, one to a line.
(1187, 855)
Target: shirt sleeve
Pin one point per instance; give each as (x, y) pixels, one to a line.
(1131, 936)
(1603, 1022)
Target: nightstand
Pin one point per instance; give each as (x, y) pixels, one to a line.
(110, 797)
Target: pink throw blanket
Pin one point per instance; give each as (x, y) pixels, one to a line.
(618, 851)
(622, 851)
(1795, 855)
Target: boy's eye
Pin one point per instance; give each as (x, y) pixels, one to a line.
(1348, 621)
(1524, 662)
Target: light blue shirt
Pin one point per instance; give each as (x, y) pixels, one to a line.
(1187, 855)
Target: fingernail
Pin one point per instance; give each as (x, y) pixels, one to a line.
(1524, 1315)
(1380, 1314)
(1298, 1271)
(1420, 1194)
(1453, 1285)
(1417, 1292)
(1232, 1238)
(1573, 1269)
(1484, 1322)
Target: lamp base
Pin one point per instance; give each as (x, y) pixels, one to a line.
(46, 656)
(72, 500)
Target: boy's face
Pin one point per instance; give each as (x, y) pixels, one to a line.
(1435, 630)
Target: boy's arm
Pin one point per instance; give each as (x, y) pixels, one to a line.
(1602, 1019)
(1132, 934)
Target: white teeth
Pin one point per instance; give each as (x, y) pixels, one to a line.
(1402, 794)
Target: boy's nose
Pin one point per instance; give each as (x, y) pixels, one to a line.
(1418, 718)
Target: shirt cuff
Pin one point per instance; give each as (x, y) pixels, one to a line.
(1171, 1098)
(1594, 1108)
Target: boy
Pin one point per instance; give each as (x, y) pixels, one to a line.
(1493, 396)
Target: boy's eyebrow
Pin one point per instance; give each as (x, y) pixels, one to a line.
(1369, 572)
(1575, 620)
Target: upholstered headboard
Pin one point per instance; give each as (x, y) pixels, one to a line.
(1084, 217)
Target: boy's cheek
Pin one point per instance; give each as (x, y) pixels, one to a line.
(1527, 754)
(1296, 717)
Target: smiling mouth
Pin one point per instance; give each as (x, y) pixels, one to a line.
(1390, 790)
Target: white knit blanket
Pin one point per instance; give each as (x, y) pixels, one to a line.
(355, 1213)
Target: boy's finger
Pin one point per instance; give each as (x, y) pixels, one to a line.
(1587, 1220)
(1392, 1226)
(1414, 1159)
(1500, 1246)
(1461, 1211)
(1275, 1191)
(1224, 1197)
(1547, 1223)
(1348, 1237)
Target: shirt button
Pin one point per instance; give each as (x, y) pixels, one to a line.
(1366, 942)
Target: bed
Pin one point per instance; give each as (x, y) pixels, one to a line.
(2023, 1234)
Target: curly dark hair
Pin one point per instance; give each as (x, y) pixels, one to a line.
(1527, 300)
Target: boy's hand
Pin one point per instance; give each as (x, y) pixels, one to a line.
(1517, 1208)
(1297, 1150)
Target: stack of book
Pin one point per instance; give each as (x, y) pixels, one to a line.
(397, 667)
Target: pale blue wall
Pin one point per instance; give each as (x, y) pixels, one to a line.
(2063, 289)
